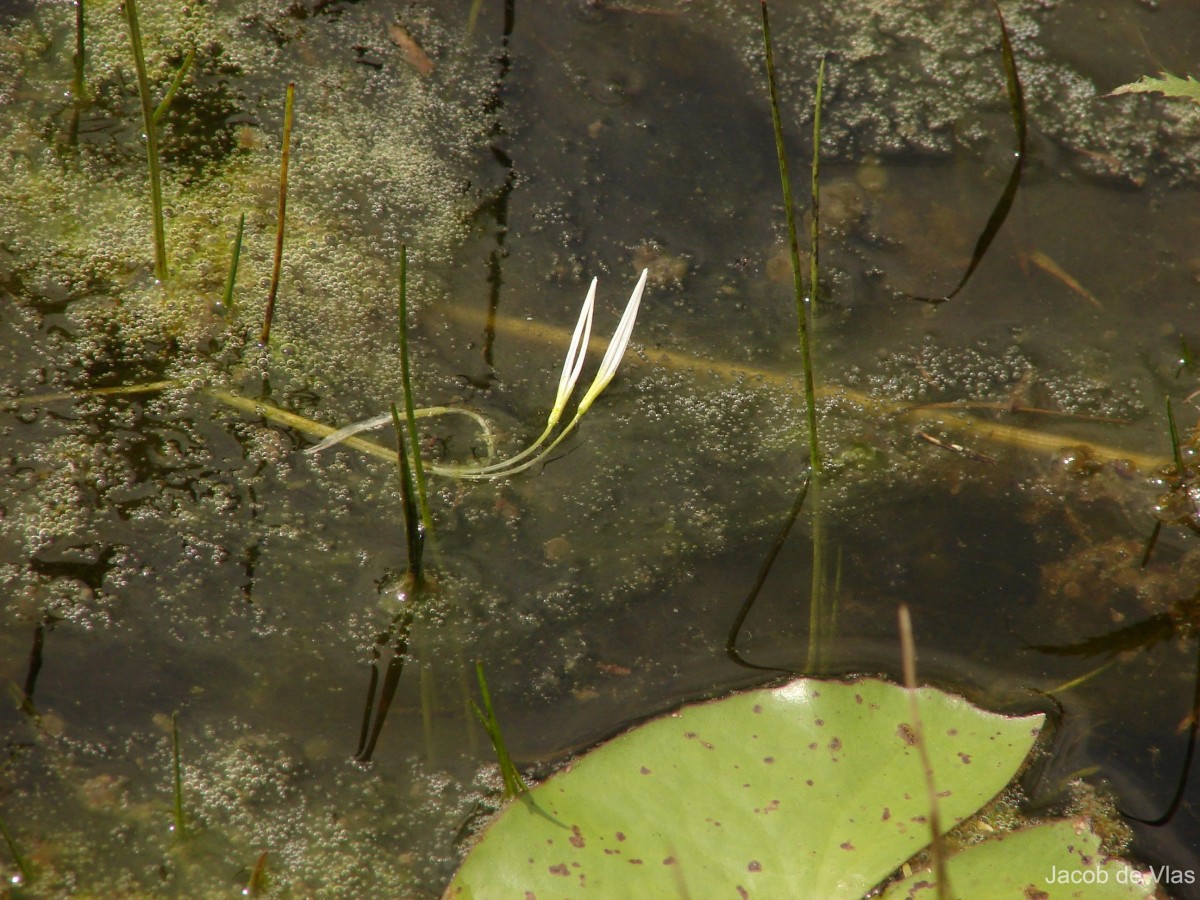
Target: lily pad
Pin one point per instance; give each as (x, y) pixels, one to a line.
(809, 789)
(1049, 861)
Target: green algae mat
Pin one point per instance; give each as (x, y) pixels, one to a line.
(809, 789)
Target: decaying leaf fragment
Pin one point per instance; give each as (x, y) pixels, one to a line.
(410, 49)
(1169, 86)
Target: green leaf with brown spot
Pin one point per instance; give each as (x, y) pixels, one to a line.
(810, 789)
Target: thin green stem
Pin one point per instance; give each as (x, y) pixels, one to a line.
(78, 85)
(414, 533)
(810, 397)
(269, 314)
(1176, 452)
(473, 16)
(818, 619)
(410, 416)
(235, 257)
(148, 119)
(814, 238)
(184, 68)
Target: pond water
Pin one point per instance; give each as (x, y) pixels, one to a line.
(993, 460)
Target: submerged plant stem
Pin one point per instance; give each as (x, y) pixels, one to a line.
(23, 865)
(954, 419)
(150, 124)
(177, 779)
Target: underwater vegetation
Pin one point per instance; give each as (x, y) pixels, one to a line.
(224, 675)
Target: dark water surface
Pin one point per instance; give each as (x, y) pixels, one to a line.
(167, 552)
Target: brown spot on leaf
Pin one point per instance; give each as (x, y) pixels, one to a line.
(669, 861)
(768, 760)
(836, 744)
(754, 866)
(757, 709)
(905, 733)
(635, 862)
(576, 838)
(620, 835)
(846, 845)
(645, 771)
(965, 757)
(1033, 893)
(560, 869)
(743, 893)
(887, 814)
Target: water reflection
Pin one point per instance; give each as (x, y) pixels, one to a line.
(603, 587)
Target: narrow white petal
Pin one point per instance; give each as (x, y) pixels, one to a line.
(618, 344)
(573, 364)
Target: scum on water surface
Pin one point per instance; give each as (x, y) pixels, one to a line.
(164, 551)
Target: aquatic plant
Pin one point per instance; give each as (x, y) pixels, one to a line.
(803, 308)
(281, 213)
(514, 785)
(543, 445)
(1168, 85)
(808, 789)
(151, 116)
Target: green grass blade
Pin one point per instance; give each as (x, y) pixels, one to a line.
(156, 202)
(513, 783)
